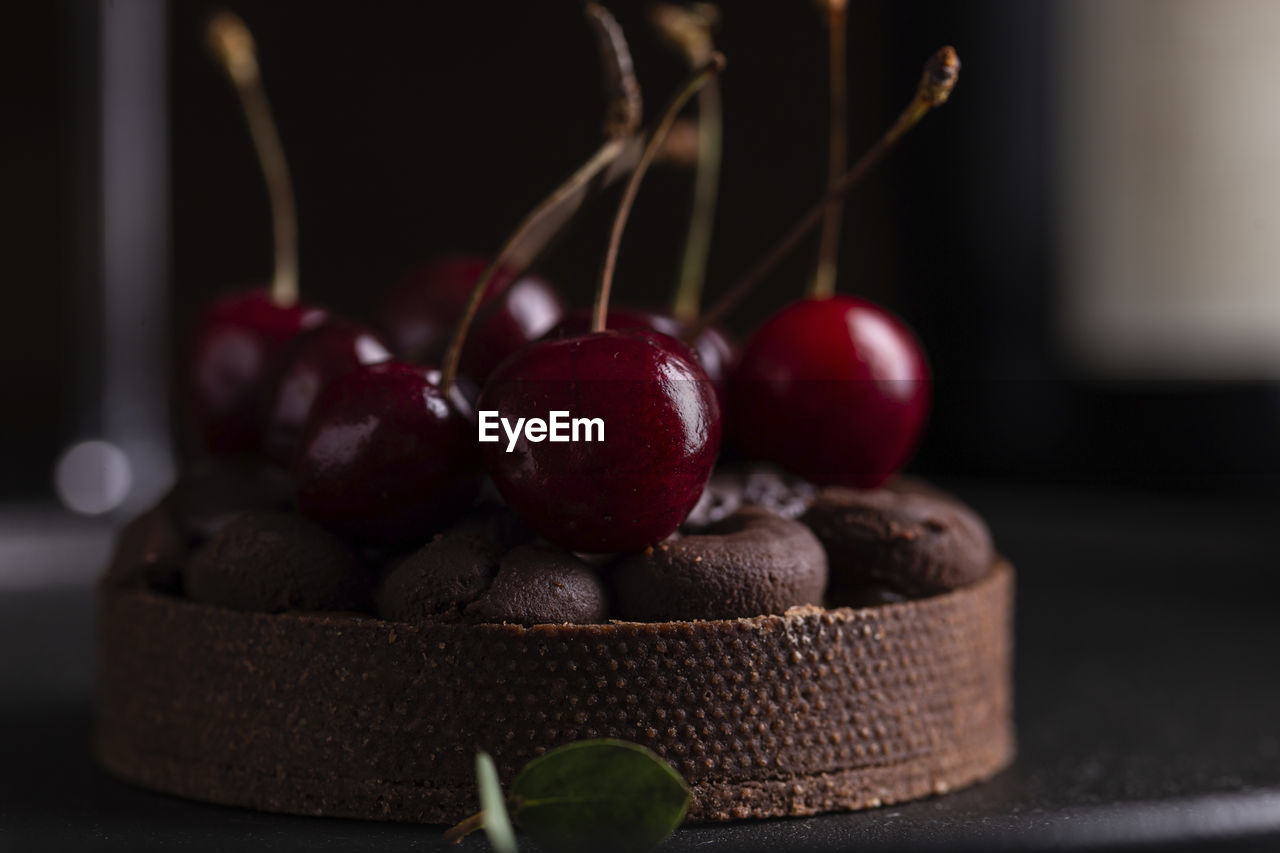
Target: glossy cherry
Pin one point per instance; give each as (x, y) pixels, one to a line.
(423, 308)
(717, 353)
(314, 359)
(712, 347)
(386, 457)
(835, 390)
(233, 364)
(661, 436)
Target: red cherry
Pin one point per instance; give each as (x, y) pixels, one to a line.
(717, 354)
(314, 359)
(424, 307)
(234, 360)
(661, 436)
(835, 390)
(712, 347)
(386, 457)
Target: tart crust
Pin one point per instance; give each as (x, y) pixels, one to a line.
(332, 714)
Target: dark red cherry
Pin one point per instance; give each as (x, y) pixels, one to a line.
(422, 310)
(386, 457)
(236, 348)
(835, 390)
(717, 354)
(713, 349)
(314, 359)
(661, 430)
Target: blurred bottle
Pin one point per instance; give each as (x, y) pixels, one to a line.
(1171, 238)
(119, 456)
(1170, 241)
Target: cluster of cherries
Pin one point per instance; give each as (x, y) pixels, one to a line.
(835, 390)
(385, 450)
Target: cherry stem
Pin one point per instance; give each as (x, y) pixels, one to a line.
(939, 79)
(824, 279)
(233, 45)
(626, 106)
(689, 30)
(540, 225)
(455, 834)
(714, 65)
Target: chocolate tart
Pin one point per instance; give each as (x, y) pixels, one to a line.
(338, 714)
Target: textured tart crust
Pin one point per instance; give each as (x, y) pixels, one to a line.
(331, 714)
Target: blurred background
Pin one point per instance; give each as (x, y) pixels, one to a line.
(1084, 238)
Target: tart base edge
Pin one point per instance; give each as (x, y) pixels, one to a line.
(325, 714)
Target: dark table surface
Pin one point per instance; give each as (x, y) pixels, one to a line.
(1147, 678)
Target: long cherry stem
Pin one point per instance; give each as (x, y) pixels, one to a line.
(233, 45)
(689, 29)
(939, 79)
(610, 161)
(714, 65)
(824, 279)
(626, 106)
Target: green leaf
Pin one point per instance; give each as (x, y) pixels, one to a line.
(497, 823)
(599, 795)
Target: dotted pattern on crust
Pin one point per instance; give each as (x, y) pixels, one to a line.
(327, 714)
